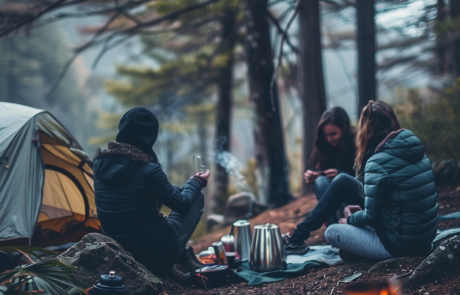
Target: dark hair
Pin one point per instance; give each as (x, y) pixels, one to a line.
(324, 155)
(378, 119)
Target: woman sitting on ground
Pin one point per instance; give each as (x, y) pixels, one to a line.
(131, 187)
(400, 216)
(334, 154)
(334, 151)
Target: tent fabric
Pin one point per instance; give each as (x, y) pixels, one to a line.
(13, 118)
(19, 191)
(46, 180)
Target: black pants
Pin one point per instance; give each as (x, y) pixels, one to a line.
(179, 228)
(343, 189)
(182, 226)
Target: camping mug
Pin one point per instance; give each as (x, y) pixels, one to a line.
(229, 243)
(220, 253)
(198, 165)
(243, 238)
(267, 249)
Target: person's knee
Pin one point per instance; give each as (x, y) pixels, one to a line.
(321, 180)
(332, 233)
(341, 179)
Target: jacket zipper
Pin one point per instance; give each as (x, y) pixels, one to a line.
(400, 212)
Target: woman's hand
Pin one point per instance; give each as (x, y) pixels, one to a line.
(205, 174)
(343, 221)
(202, 177)
(349, 210)
(310, 176)
(331, 173)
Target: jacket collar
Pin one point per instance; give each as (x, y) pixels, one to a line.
(127, 150)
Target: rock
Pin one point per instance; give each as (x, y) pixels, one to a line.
(445, 259)
(97, 254)
(239, 206)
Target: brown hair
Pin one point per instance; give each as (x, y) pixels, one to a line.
(322, 156)
(377, 120)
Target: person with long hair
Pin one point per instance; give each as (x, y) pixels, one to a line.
(130, 188)
(333, 155)
(396, 179)
(334, 151)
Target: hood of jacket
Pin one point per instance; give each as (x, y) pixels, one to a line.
(118, 163)
(404, 145)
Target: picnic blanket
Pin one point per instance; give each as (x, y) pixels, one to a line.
(325, 255)
(317, 256)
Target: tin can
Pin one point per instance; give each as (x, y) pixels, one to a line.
(220, 253)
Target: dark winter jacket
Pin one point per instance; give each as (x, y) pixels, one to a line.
(400, 196)
(129, 187)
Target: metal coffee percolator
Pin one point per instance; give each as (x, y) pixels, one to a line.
(267, 249)
(243, 238)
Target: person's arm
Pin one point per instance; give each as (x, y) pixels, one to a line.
(171, 196)
(376, 182)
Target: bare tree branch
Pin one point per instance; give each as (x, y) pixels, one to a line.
(280, 56)
(280, 31)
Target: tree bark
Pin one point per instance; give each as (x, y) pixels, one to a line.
(269, 142)
(311, 79)
(454, 13)
(224, 113)
(440, 48)
(366, 52)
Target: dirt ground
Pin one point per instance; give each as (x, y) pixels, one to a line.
(326, 280)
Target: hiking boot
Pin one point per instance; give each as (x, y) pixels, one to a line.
(296, 249)
(179, 277)
(189, 259)
(349, 257)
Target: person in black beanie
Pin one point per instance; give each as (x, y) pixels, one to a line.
(131, 187)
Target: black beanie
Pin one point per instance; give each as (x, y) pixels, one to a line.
(139, 127)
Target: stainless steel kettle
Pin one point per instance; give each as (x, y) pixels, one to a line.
(243, 237)
(267, 249)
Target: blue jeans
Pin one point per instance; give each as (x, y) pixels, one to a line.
(343, 189)
(321, 185)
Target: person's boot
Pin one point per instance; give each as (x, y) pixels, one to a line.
(296, 249)
(189, 259)
(179, 277)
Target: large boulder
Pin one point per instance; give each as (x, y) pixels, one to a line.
(97, 254)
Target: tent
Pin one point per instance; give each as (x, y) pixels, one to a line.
(46, 181)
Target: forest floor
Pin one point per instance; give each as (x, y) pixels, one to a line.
(325, 280)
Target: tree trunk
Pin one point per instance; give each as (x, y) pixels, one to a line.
(269, 142)
(366, 52)
(224, 114)
(311, 80)
(440, 48)
(454, 13)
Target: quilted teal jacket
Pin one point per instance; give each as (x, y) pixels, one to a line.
(400, 196)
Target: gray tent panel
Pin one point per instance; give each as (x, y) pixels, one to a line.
(13, 117)
(20, 193)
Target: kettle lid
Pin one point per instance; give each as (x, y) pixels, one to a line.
(241, 223)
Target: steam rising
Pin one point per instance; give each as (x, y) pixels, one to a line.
(232, 166)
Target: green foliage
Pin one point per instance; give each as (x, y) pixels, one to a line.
(436, 123)
(43, 275)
